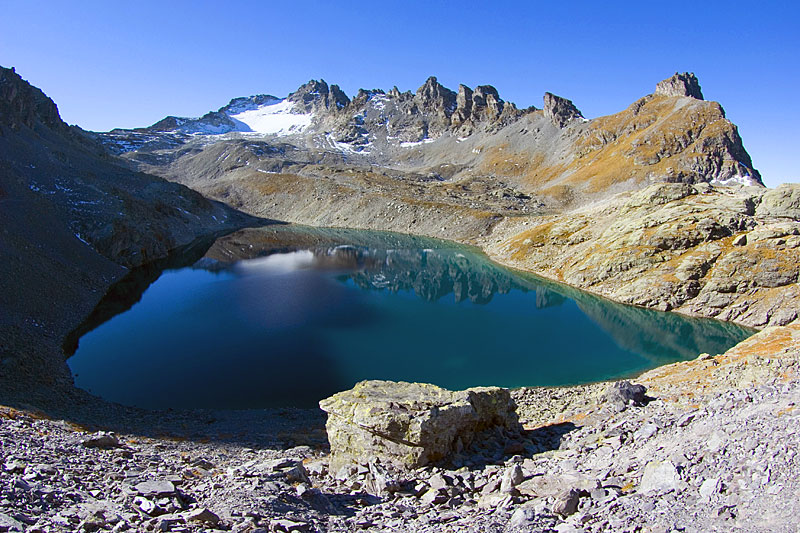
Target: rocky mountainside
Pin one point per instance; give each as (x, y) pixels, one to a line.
(74, 220)
(470, 135)
(724, 252)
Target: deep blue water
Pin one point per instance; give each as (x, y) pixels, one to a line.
(297, 326)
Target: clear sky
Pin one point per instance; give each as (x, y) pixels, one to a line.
(114, 64)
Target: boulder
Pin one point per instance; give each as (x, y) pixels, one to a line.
(408, 425)
(201, 514)
(658, 477)
(101, 440)
(159, 487)
(624, 393)
(782, 201)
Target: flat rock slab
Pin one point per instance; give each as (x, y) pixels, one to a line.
(156, 488)
(408, 425)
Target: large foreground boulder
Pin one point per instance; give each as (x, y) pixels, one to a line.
(408, 425)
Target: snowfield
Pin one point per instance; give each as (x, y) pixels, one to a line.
(272, 119)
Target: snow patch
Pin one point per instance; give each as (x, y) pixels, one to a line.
(416, 143)
(738, 179)
(272, 119)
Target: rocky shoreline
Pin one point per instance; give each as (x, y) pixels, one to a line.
(693, 458)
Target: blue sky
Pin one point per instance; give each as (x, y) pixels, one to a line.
(114, 64)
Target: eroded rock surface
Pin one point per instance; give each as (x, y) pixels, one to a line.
(560, 110)
(408, 425)
(697, 249)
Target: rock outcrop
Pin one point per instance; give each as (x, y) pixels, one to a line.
(316, 96)
(781, 202)
(22, 104)
(697, 249)
(684, 84)
(409, 425)
(559, 110)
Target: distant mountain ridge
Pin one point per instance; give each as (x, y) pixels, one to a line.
(671, 135)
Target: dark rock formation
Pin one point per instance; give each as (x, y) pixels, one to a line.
(559, 110)
(22, 104)
(316, 96)
(684, 84)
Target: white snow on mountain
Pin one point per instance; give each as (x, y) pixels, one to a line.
(746, 180)
(272, 119)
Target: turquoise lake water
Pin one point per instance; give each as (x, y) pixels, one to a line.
(299, 324)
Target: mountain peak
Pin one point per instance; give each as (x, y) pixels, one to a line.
(433, 95)
(316, 94)
(560, 110)
(23, 104)
(683, 84)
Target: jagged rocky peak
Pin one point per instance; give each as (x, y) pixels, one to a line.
(394, 93)
(364, 95)
(23, 104)
(246, 103)
(433, 96)
(316, 95)
(559, 110)
(684, 84)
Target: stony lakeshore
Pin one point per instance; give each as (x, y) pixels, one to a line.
(689, 454)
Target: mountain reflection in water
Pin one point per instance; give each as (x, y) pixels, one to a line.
(435, 273)
(287, 316)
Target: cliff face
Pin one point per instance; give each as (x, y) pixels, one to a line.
(73, 221)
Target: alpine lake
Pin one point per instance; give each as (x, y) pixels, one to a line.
(284, 316)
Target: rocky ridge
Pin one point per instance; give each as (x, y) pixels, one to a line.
(553, 153)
